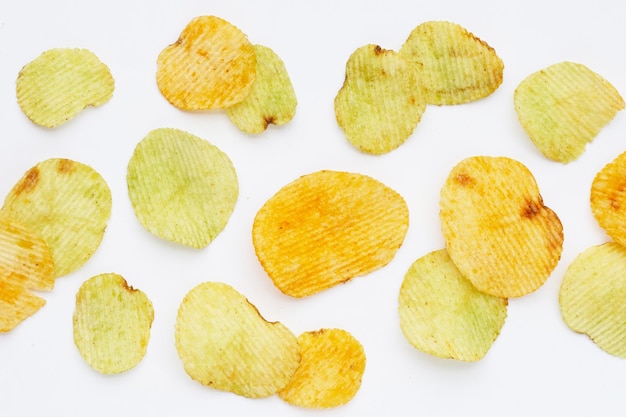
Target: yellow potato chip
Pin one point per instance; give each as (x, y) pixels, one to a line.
(381, 101)
(608, 198)
(330, 372)
(592, 296)
(211, 65)
(455, 66)
(60, 83)
(563, 107)
(224, 343)
(326, 228)
(272, 100)
(443, 314)
(182, 188)
(112, 322)
(497, 229)
(25, 265)
(67, 203)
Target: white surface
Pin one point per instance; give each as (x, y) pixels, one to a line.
(536, 367)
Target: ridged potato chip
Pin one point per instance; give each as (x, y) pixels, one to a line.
(381, 101)
(212, 65)
(224, 343)
(272, 100)
(496, 227)
(565, 106)
(592, 296)
(326, 228)
(67, 203)
(112, 322)
(455, 66)
(26, 265)
(443, 314)
(330, 373)
(182, 188)
(608, 198)
(60, 83)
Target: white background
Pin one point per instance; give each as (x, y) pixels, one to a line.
(537, 367)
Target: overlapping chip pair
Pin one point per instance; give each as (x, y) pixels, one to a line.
(592, 292)
(501, 242)
(213, 65)
(386, 92)
(225, 343)
(52, 221)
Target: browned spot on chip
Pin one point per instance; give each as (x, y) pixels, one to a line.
(28, 182)
(65, 166)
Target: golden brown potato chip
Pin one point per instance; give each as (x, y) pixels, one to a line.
(224, 343)
(329, 375)
(443, 314)
(455, 66)
(272, 100)
(182, 188)
(211, 65)
(61, 82)
(592, 296)
(326, 228)
(381, 100)
(608, 198)
(112, 322)
(497, 230)
(67, 203)
(25, 265)
(563, 107)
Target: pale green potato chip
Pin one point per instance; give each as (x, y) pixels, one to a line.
(592, 296)
(381, 101)
(182, 188)
(443, 314)
(565, 106)
(272, 99)
(456, 67)
(224, 343)
(60, 83)
(65, 202)
(112, 322)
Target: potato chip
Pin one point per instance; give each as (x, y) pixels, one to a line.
(381, 101)
(60, 83)
(224, 343)
(443, 314)
(592, 296)
(25, 265)
(456, 67)
(496, 227)
(330, 372)
(272, 100)
(608, 198)
(182, 188)
(112, 322)
(67, 203)
(563, 107)
(211, 65)
(326, 228)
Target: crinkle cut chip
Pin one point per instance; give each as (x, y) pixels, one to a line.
(326, 228)
(26, 267)
(497, 229)
(212, 65)
(60, 83)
